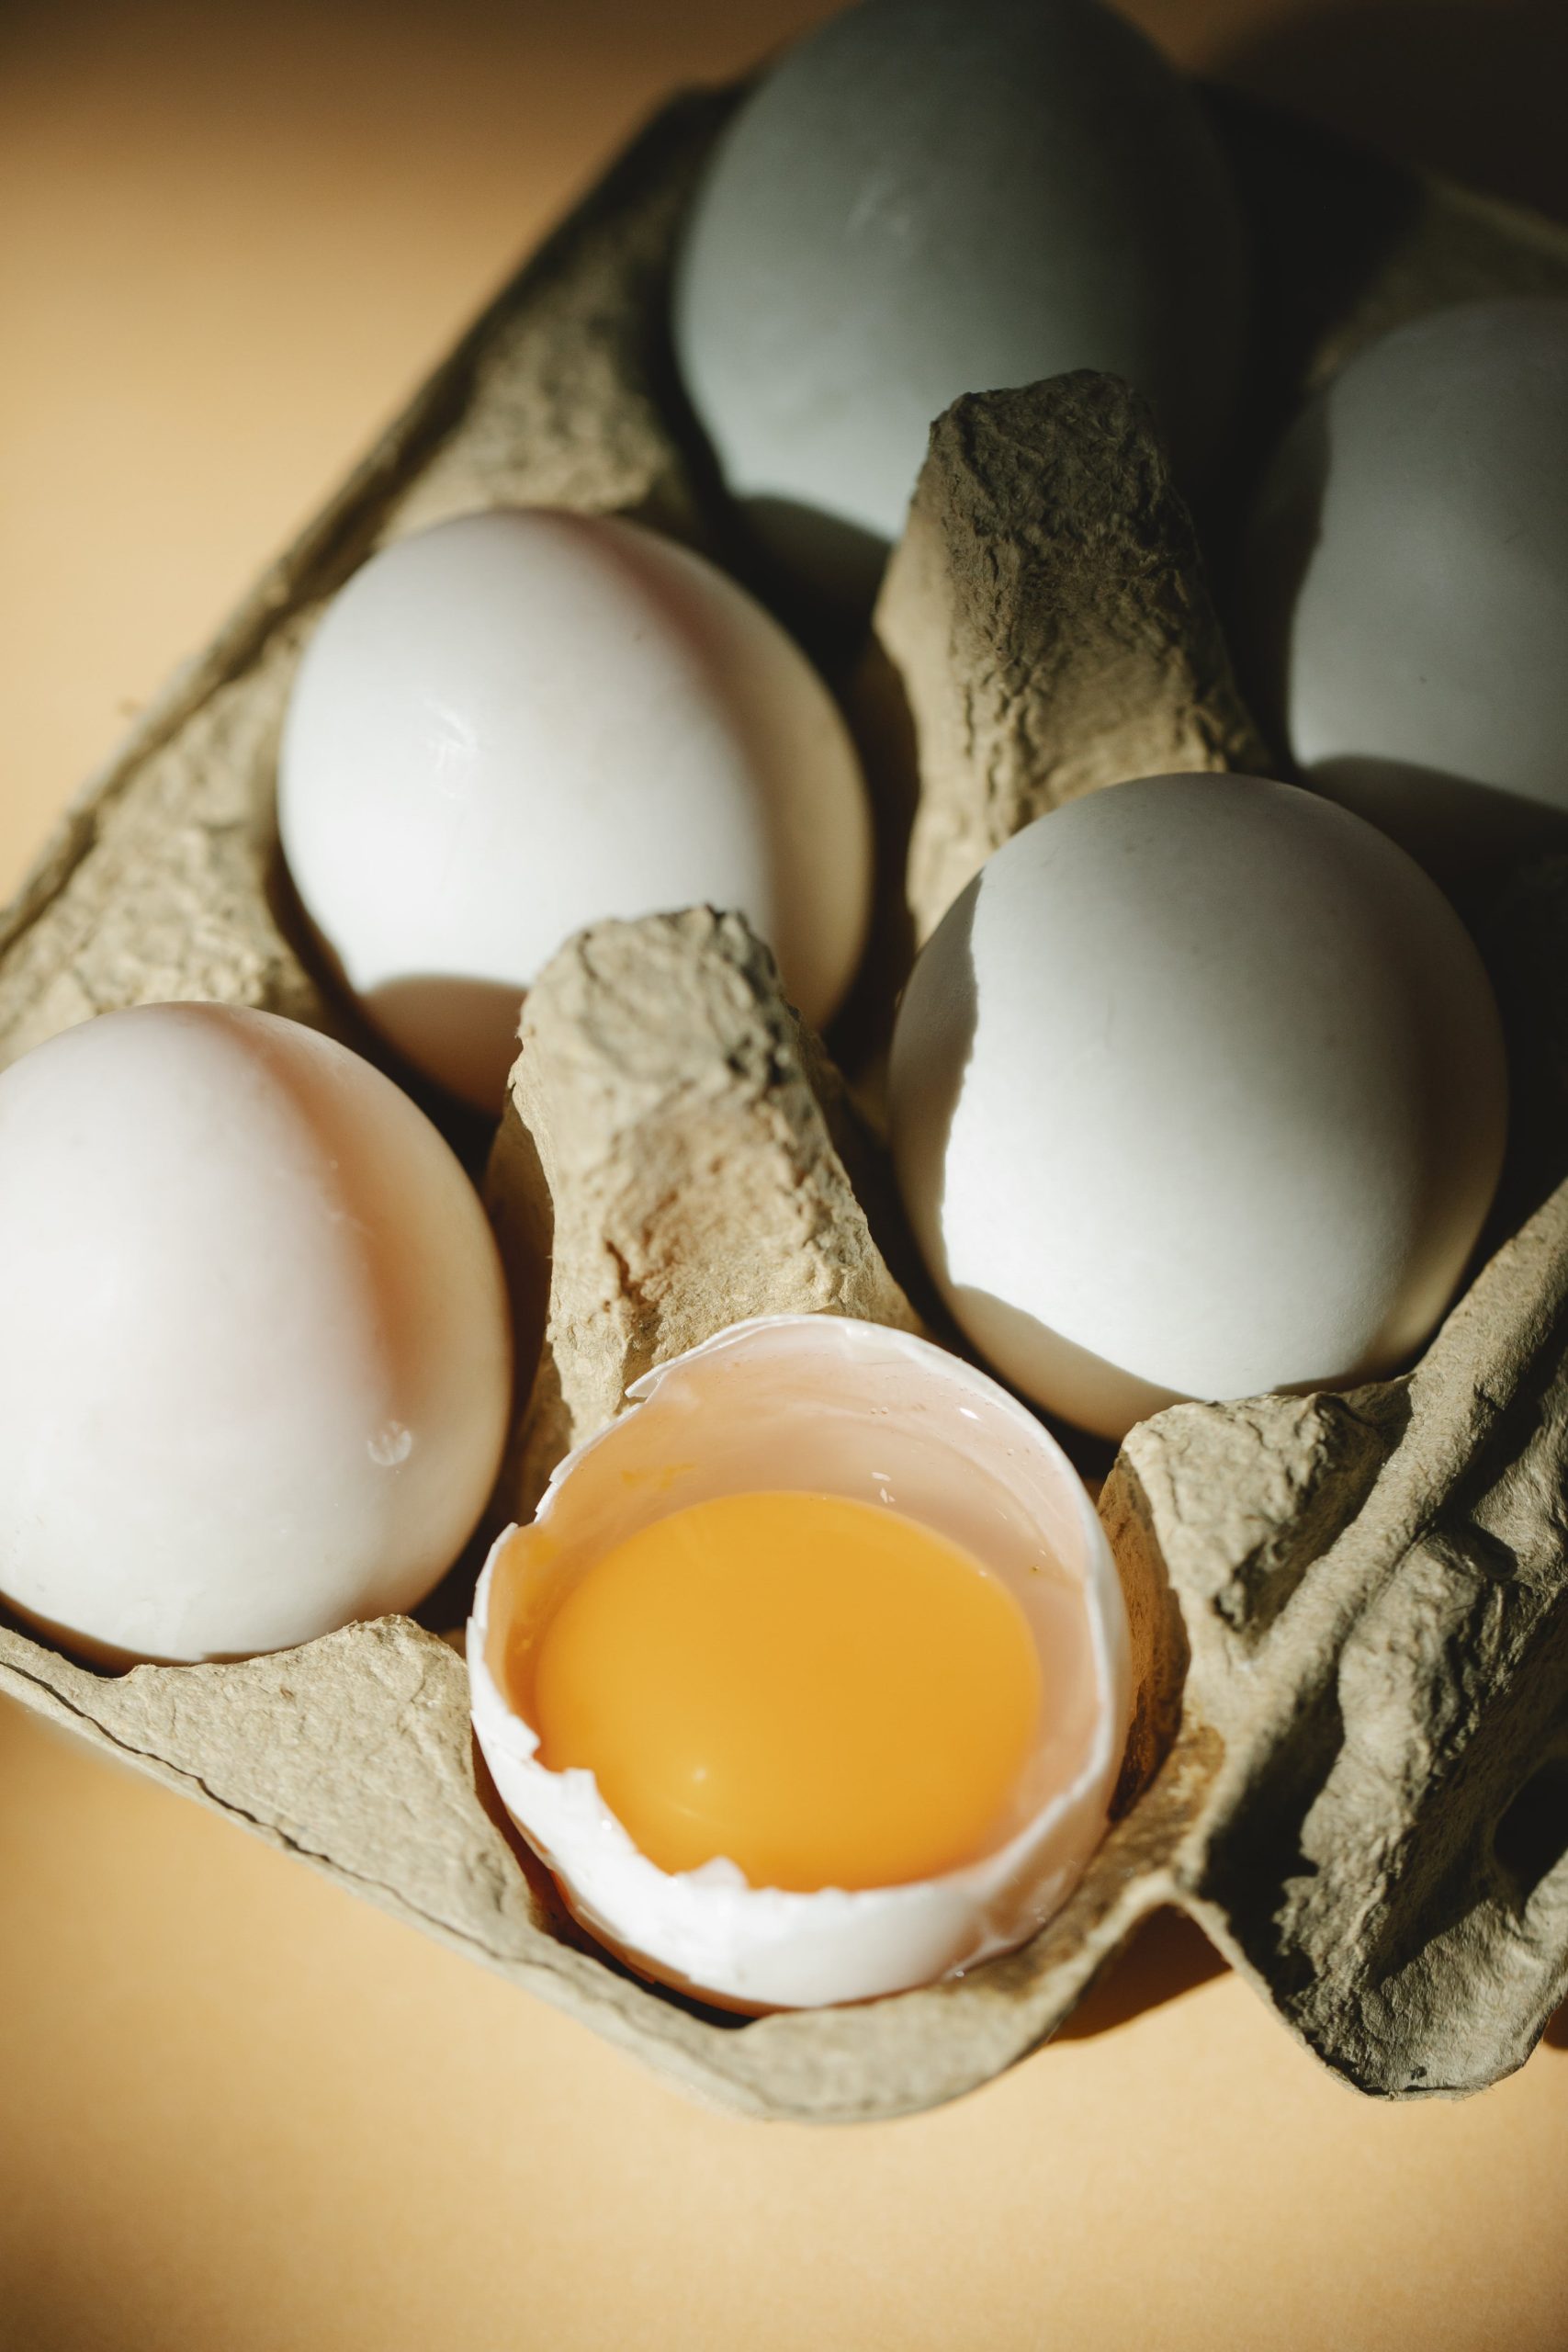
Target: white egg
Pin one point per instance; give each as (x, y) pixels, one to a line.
(254, 1356)
(927, 198)
(1197, 1091)
(1406, 583)
(818, 1403)
(521, 722)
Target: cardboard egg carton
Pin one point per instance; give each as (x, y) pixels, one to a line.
(1350, 1760)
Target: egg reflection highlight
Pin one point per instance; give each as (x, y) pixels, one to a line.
(795, 1411)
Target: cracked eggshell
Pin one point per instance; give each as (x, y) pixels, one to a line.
(822, 1403)
(525, 722)
(254, 1353)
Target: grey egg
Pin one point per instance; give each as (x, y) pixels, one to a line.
(1405, 585)
(934, 196)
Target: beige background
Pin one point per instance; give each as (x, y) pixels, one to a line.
(239, 2109)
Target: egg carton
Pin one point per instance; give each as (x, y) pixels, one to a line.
(1350, 1758)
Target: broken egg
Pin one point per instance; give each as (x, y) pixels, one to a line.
(810, 1679)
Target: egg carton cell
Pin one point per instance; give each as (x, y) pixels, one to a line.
(1349, 1614)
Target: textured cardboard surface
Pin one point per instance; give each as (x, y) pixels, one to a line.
(666, 1149)
(1048, 619)
(1374, 1591)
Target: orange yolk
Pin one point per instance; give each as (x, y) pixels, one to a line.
(821, 1690)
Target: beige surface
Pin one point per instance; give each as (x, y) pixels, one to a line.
(232, 240)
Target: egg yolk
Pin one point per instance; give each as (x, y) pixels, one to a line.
(820, 1689)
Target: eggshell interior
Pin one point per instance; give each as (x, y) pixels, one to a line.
(824, 1404)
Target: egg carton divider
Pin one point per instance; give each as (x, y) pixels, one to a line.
(1349, 1612)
